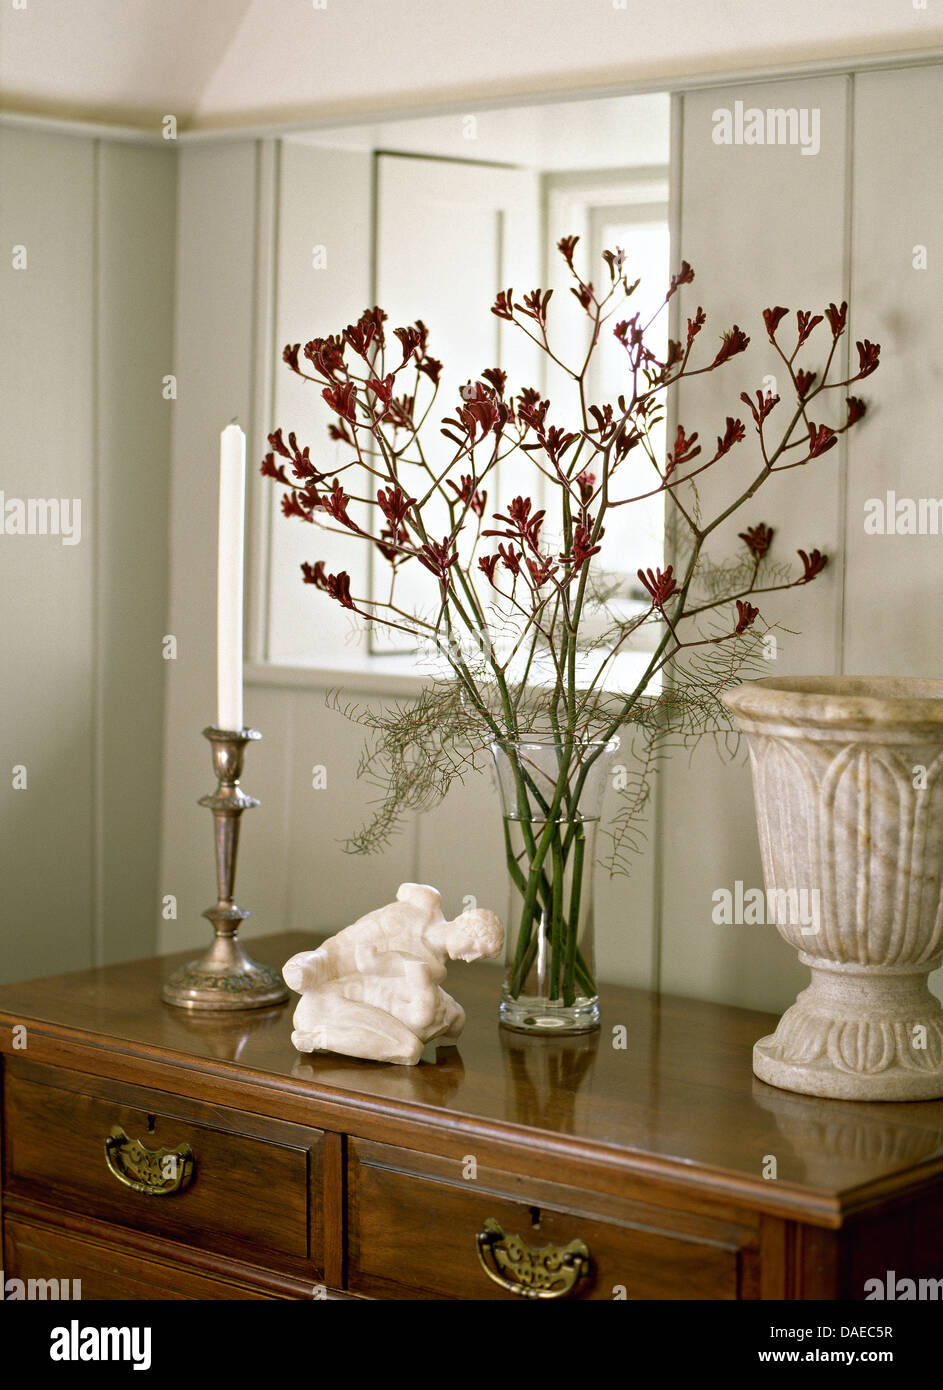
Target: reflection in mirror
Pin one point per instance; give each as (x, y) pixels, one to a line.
(430, 218)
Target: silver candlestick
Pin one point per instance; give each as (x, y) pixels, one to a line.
(226, 977)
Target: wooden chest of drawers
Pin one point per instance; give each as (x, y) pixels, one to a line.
(155, 1155)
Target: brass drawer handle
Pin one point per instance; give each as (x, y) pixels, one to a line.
(550, 1272)
(155, 1172)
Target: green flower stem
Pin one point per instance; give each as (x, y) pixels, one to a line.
(530, 898)
(582, 977)
(576, 888)
(556, 920)
(543, 905)
(514, 868)
(521, 883)
(537, 881)
(524, 820)
(566, 957)
(522, 779)
(527, 963)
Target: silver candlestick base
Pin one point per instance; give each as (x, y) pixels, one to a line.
(226, 977)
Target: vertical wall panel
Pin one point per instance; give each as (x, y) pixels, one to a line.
(461, 848)
(136, 220)
(264, 880)
(213, 355)
(47, 666)
(762, 225)
(89, 337)
(329, 887)
(894, 583)
(626, 904)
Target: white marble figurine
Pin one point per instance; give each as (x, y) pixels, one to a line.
(374, 989)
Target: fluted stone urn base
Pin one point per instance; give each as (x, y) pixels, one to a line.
(857, 1036)
(848, 782)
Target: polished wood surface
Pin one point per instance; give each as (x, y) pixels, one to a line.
(677, 1106)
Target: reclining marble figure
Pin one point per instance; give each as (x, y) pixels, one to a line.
(374, 989)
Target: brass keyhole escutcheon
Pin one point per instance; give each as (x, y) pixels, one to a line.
(153, 1172)
(550, 1272)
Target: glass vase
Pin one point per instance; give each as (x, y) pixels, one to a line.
(551, 792)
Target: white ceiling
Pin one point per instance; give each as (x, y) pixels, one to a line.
(225, 63)
(122, 61)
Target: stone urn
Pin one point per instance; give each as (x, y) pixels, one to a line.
(848, 781)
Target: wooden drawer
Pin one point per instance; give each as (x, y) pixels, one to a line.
(413, 1220)
(105, 1271)
(254, 1185)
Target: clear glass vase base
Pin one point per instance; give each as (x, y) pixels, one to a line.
(537, 1015)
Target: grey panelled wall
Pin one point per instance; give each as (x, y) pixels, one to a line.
(137, 195)
(894, 588)
(770, 226)
(762, 225)
(87, 313)
(215, 298)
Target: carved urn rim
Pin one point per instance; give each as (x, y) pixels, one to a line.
(841, 702)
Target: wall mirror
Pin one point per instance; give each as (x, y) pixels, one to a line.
(428, 218)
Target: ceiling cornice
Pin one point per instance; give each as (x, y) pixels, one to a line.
(411, 108)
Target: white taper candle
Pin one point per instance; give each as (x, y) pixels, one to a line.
(232, 502)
